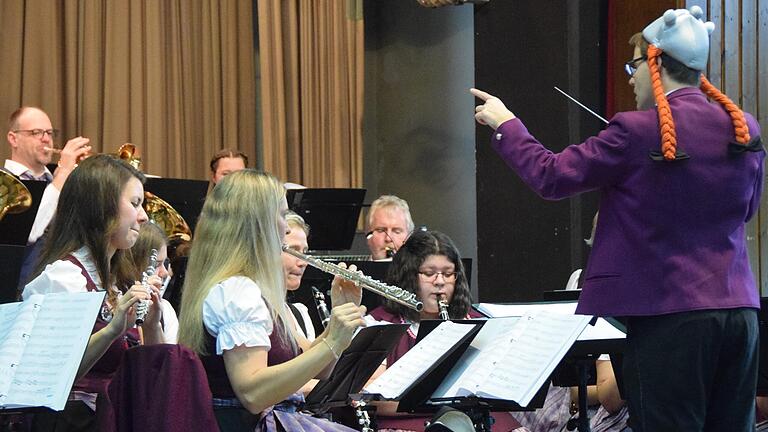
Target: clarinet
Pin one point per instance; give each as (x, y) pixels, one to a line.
(443, 305)
(389, 292)
(322, 309)
(143, 306)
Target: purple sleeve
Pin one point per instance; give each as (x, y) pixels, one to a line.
(598, 161)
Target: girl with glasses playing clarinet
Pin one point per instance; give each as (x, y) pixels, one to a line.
(429, 265)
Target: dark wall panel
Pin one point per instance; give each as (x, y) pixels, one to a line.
(525, 244)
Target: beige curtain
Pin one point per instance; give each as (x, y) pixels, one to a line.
(311, 56)
(174, 77)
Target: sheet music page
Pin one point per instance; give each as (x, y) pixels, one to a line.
(398, 377)
(533, 356)
(16, 321)
(530, 358)
(468, 366)
(601, 330)
(60, 335)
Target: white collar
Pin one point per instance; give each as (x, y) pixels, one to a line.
(18, 169)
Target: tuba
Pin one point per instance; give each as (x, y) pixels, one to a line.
(166, 217)
(14, 196)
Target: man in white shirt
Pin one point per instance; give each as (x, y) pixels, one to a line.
(389, 225)
(31, 138)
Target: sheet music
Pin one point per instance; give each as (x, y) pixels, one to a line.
(518, 371)
(16, 320)
(53, 353)
(418, 360)
(467, 366)
(601, 330)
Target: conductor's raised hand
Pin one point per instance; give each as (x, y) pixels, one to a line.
(346, 291)
(492, 111)
(345, 319)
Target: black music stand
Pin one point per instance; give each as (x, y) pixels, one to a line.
(355, 366)
(331, 213)
(15, 228)
(185, 196)
(578, 369)
(762, 367)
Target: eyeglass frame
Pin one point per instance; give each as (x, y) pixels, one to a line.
(448, 277)
(39, 133)
(631, 66)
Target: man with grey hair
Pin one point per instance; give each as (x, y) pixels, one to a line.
(389, 224)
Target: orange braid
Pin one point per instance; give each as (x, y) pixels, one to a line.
(666, 122)
(737, 115)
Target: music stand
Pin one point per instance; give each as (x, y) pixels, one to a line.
(185, 196)
(15, 228)
(762, 366)
(579, 361)
(419, 398)
(331, 213)
(355, 366)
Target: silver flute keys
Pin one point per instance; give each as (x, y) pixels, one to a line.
(389, 292)
(443, 305)
(143, 305)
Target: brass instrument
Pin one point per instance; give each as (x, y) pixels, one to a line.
(127, 153)
(142, 308)
(166, 217)
(389, 292)
(443, 305)
(14, 196)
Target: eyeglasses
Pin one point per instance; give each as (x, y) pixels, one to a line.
(39, 133)
(431, 276)
(631, 66)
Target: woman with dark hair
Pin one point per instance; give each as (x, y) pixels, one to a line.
(98, 217)
(429, 265)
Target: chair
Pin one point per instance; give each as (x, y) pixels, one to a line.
(157, 388)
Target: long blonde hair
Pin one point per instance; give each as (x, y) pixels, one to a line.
(236, 235)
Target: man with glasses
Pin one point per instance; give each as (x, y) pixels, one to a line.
(670, 253)
(389, 225)
(32, 141)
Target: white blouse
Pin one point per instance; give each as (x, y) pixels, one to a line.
(235, 314)
(64, 276)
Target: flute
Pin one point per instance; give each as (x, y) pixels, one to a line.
(389, 292)
(143, 306)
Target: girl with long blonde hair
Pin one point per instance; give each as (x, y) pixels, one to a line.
(235, 316)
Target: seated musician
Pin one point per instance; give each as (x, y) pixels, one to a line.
(98, 217)
(151, 236)
(389, 224)
(429, 265)
(294, 267)
(225, 162)
(235, 315)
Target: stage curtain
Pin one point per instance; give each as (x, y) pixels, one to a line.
(174, 77)
(311, 67)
